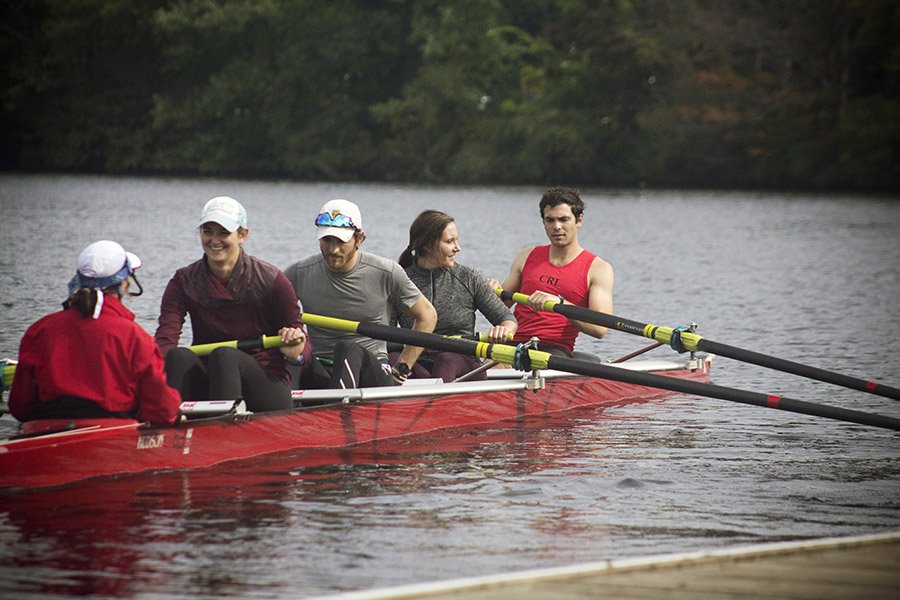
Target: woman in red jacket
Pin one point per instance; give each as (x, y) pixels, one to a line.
(91, 359)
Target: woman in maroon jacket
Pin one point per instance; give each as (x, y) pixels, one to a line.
(231, 295)
(91, 359)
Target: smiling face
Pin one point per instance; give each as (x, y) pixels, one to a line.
(340, 256)
(222, 247)
(442, 254)
(561, 225)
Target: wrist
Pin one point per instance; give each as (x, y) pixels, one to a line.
(403, 369)
(293, 361)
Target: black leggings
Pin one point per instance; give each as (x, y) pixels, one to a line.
(354, 367)
(228, 374)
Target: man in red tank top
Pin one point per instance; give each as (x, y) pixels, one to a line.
(563, 272)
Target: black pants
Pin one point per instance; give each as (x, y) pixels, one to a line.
(75, 408)
(353, 367)
(229, 374)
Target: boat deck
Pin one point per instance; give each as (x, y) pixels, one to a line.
(865, 567)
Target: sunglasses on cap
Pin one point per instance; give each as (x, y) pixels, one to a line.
(338, 220)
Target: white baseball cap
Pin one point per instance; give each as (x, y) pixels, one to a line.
(226, 211)
(340, 218)
(103, 264)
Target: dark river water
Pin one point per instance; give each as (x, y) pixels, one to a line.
(812, 278)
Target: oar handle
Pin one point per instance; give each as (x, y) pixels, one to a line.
(9, 371)
(266, 342)
(663, 335)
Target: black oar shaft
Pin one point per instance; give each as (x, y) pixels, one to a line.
(542, 360)
(796, 368)
(692, 341)
(721, 392)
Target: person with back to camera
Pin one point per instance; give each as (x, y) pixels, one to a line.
(344, 282)
(455, 290)
(91, 359)
(231, 295)
(563, 272)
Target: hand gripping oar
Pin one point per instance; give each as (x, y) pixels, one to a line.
(685, 341)
(526, 359)
(266, 341)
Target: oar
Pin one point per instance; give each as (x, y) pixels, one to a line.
(526, 359)
(637, 352)
(488, 364)
(8, 372)
(479, 336)
(683, 341)
(266, 341)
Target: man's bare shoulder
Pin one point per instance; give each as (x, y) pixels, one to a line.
(523, 254)
(600, 270)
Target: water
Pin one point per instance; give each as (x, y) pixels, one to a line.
(811, 278)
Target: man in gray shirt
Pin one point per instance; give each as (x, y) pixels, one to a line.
(344, 282)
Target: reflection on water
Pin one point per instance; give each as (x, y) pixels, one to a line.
(812, 279)
(643, 479)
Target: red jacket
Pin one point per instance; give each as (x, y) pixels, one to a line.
(111, 361)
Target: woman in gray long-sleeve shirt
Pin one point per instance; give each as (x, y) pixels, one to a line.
(455, 290)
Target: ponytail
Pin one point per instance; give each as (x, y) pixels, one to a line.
(85, 300)
(407, 257)
(89, 301)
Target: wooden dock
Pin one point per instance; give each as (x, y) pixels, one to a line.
(862, 567)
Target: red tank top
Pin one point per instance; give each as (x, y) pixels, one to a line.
(569, 281)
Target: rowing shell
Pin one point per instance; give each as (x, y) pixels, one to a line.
(60, 452)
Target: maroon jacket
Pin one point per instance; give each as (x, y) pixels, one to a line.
(257, 300)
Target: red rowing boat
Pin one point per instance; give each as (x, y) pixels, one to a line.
(59, 452)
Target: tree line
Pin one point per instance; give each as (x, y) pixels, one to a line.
(696, 93)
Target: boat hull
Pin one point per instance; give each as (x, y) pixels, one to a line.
(124, 447)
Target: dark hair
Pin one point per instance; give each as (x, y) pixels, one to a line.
(85, 298)
(424, 234)
(562, 195)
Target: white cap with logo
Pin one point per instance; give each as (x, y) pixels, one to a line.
(226, 211)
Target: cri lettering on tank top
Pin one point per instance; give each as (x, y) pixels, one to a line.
(554, 281)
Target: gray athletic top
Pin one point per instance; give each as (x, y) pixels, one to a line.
(456, 293)
(368, 293)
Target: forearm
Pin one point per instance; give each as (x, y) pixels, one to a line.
(171, 320)
(410, 354)
(590, 329)
(425, 320)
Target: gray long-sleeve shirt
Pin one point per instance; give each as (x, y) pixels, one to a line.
(456, 293)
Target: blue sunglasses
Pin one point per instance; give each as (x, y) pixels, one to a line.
(327, 220)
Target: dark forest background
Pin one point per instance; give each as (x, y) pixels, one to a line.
(799, 94)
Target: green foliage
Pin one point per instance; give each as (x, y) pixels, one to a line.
(744, 93)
